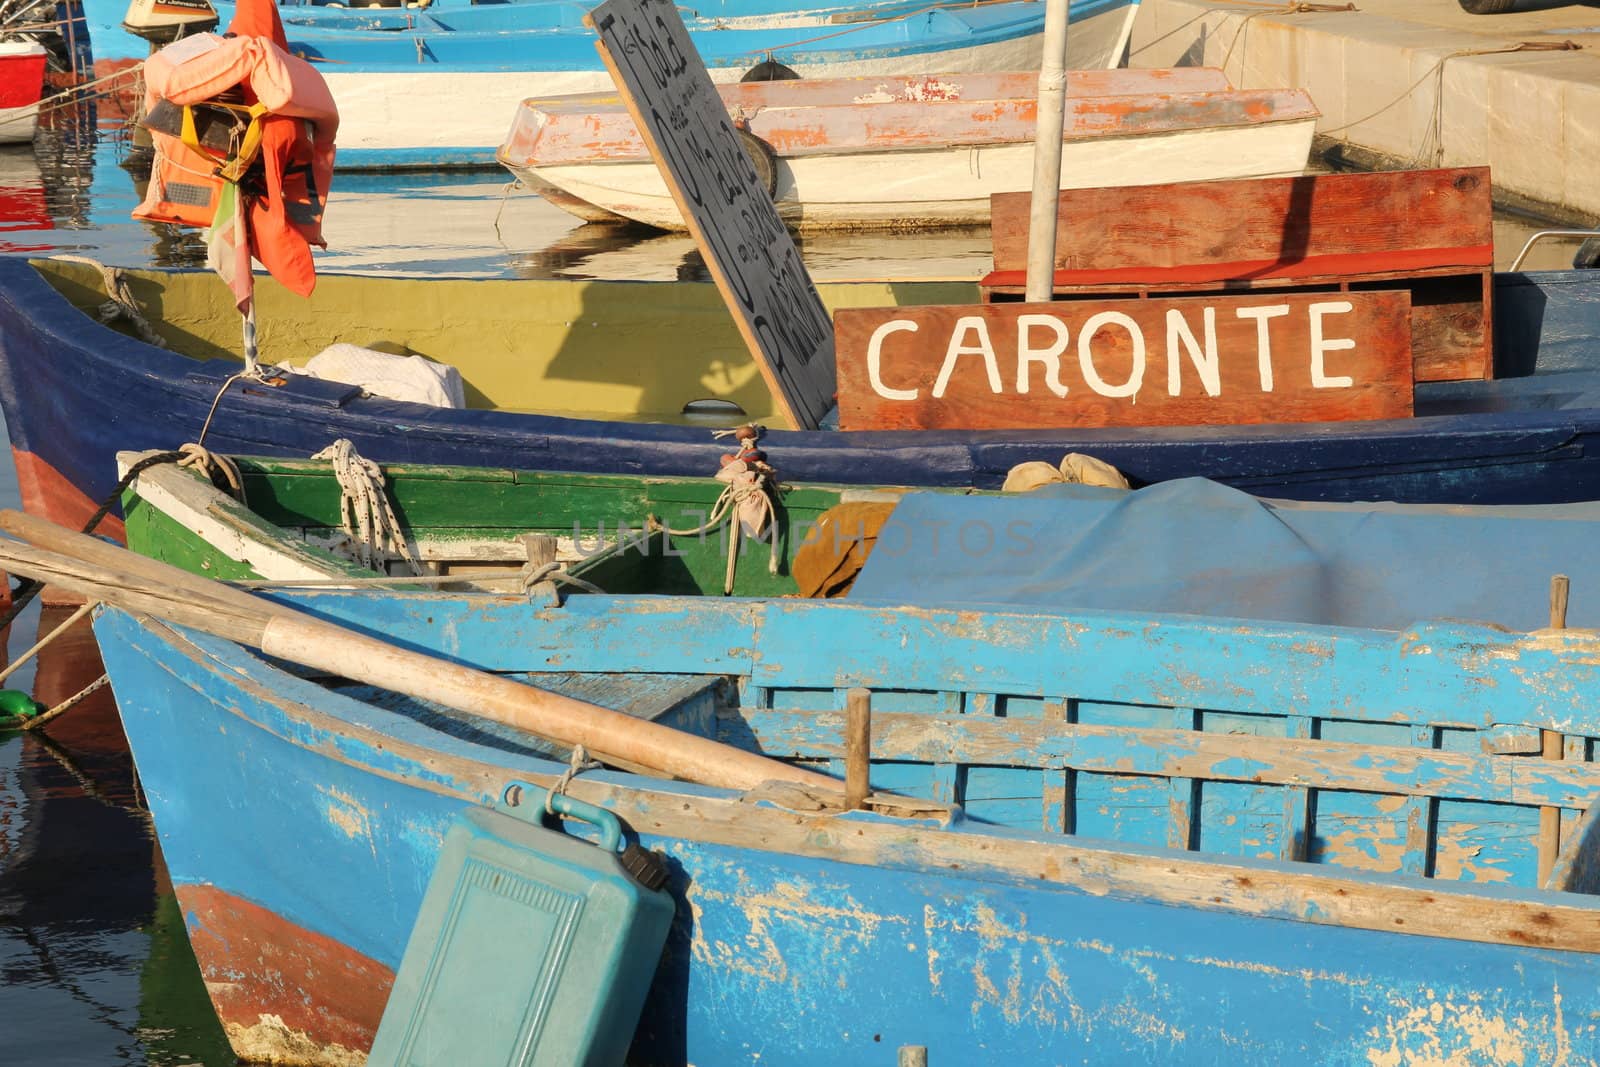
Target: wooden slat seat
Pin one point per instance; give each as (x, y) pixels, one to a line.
(1416, 794)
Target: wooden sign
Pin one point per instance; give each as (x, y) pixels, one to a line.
(1260, 357)
(1428, 231)
(730, 214)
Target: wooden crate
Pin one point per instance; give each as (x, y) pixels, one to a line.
(1429, 232)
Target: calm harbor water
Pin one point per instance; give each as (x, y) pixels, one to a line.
(95, 966)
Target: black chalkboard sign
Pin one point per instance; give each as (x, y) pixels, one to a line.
(726, 204)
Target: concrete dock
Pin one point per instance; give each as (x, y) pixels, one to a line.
(1418, 82)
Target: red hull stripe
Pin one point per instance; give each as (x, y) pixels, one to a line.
(257, 963)
(48, 494)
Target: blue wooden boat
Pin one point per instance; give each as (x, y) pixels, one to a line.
(75, 392)
(1141, 839)
(439, 87)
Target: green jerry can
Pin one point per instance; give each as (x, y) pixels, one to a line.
(533, 946)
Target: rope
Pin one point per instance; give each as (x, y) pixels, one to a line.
(1435, 134)
(505, 194)
(205, 427)
(1269, 8)
(67, 96)
(552, 572)
(365, 511)
(580, 762)
(222, 471)
(749, 479)
(68, 704)
(120, 302)
(46, 639)
(24, 592)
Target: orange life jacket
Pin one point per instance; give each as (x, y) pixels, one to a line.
(292, 123)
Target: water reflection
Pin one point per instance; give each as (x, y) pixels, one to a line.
(93, 958)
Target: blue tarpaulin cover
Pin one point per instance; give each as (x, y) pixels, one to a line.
(1196, 547)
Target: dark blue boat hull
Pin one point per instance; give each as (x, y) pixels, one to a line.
(75, 392)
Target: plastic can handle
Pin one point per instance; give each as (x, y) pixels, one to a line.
(604, 821)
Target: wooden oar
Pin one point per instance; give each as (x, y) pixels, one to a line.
(95, 569)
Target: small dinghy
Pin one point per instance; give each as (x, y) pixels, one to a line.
(920, 151)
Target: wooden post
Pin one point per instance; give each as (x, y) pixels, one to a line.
(541, 549)
(1049, 121)
(857, 747)
(1560, 586)
(913, 1056)
(1552, 742)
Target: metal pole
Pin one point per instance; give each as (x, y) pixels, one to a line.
(1047, 153)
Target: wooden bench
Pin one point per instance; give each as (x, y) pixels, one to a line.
(1430, 232)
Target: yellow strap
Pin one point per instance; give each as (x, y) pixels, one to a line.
(190, 138)
(234, 166)
(249, 148)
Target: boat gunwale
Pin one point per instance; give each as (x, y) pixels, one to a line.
(1297, 109)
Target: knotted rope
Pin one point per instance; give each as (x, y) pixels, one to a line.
(747, 502)
(364, 510)
(552, 572)
(119, 303)
(220, 470)
(579, 763)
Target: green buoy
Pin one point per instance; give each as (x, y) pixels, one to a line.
(17, 707)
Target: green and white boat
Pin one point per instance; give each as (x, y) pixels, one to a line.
(470, 527)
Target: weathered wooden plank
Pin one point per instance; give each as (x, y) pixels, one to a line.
(1323, 765)
(580, 131)
(1058, 788)
(729, 212)
(1184, 791)
(1214, 360)
(1268, 220)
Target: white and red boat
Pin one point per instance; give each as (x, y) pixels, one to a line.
(921, 151)
(21, 87)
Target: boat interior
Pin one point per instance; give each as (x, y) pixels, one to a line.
(556, 347)
(1366, 751)
(619, 534)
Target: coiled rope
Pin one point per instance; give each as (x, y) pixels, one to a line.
(364, 509)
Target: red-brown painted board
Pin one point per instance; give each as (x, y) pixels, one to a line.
(1270, 223)
(46, 492)
(1217, 360)
(1450, 312)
